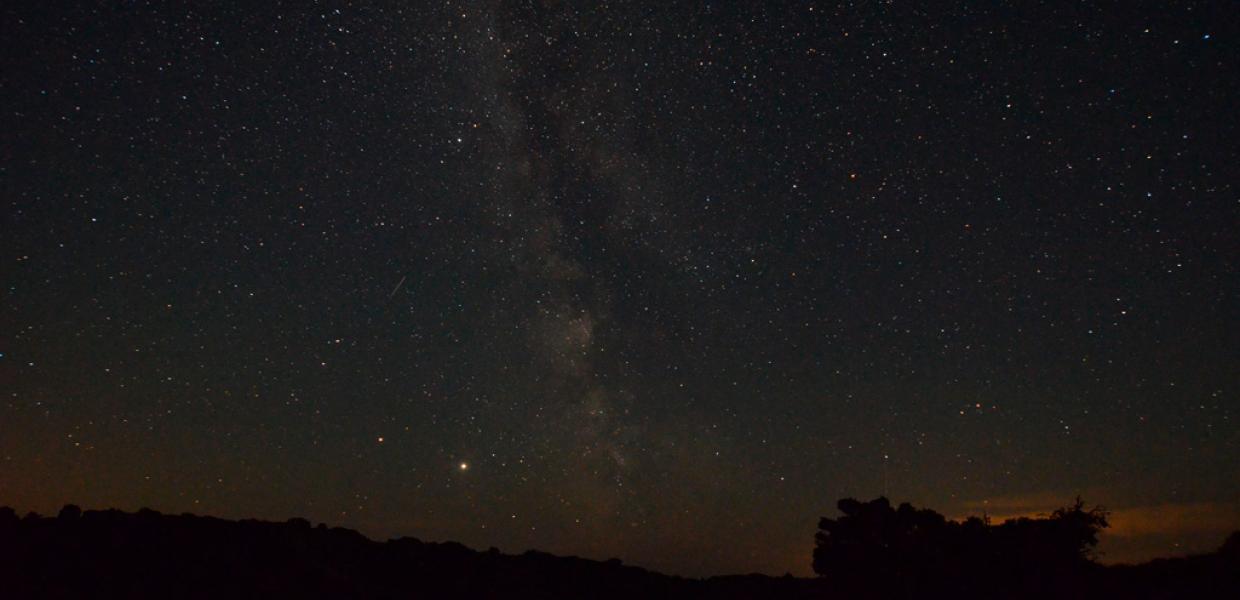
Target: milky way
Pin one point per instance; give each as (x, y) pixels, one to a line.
(626, 279)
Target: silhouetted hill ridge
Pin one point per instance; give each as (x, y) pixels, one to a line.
(114, 554)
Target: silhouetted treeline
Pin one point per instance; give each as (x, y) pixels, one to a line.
(873, 551)
(904, 552)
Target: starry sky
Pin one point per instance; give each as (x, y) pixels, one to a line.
(659, 281)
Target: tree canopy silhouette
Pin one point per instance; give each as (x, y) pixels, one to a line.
(873, 544)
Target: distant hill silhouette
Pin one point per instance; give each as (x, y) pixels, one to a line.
(873, 551)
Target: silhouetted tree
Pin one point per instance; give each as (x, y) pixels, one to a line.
(874, 546)
(1078, 528)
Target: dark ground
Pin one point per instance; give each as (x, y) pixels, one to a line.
(113, 554)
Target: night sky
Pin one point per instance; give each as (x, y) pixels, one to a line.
(623, 279)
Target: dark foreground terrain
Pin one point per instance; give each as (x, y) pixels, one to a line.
(113, 554)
